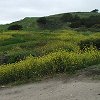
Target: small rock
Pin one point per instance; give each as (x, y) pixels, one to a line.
(2, 86)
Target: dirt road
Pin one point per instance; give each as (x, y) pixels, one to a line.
(54, 89)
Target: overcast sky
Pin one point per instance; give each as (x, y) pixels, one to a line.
(13, 10)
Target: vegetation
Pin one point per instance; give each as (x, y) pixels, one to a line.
(26, 55)
(61, 61)
(67, 17)
(50, 47)
(42, 22)
(15, 27)
(95, 10)
(53, 22)
(70, 20)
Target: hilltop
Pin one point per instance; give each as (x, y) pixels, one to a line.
(30, 23)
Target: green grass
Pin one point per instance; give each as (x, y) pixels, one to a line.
(61, 61)
(32, 54)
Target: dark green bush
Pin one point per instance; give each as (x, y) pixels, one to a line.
(46, 23)
(42, 22)
(91, 21)
(95, 11)
(3, 59)
(76, 18)
(67, 17)
(90, 42)
(76, 24)
(96, 26)
(15, 27)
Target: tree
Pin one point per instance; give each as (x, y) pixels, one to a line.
(97, 26)
(95, 10)
(67, 17)
(15, 27)
(42, 22)
(76, 24)
(91, 21)
(76, 18)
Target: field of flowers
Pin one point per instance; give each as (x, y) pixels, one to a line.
(25, 55)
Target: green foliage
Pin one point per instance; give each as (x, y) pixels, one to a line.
(48, 23)
(97, 26)
(67, 17)
(90, 42)
(76, 24)
(61, 61)
(33, 52)
(54, 21)
(92, 20)
(51, 52)
(95, 10)
(42, 22)
(15, 27)
(76, 18)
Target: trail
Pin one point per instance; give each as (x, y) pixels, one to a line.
(54, 89)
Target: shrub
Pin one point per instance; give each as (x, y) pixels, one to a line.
(76, 24)
(91, 21)
(76, 18)
(42, 22)
(95, 10)
(60, 61)
(67, 17)
(15, 27)
(96, 26)
(90, 42)
(3, 59)
(50, 24)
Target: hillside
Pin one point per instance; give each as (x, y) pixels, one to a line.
(32, 53)
(29, 23)
(29, 54)
(80, 14)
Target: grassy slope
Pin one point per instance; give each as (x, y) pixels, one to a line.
(52, 52)
(29, 23)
